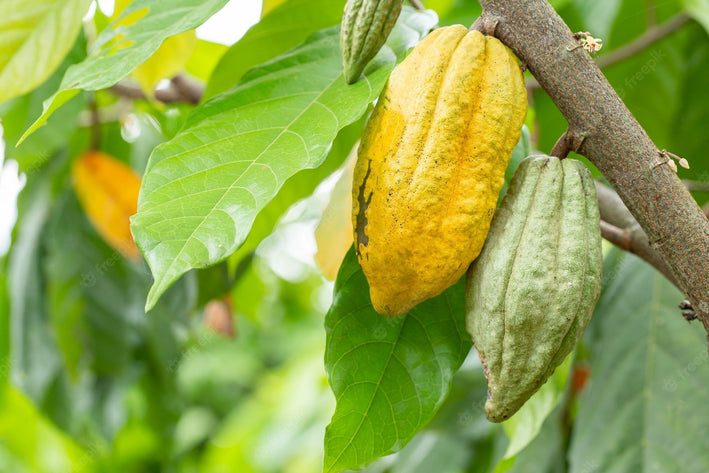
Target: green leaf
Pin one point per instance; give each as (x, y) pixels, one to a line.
(544, 454)
(4, 323)
(204, 59)
(38, 439)
(35, 35)
(125, 44)
(274, 420)
(19, 113)
(281, 29)
(523, 427)
(34, 364)
(298, 187)
(458, 436)
(268, 5)
(458, 12)
(389, 375)
(644, 409)
(203, 189)
(599, 15)
(442, 7)
(666, 87)
(699, 9)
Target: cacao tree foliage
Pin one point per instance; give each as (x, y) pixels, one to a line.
(222, 347)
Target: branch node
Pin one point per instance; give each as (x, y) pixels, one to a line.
(569, 141)
(485, 24)
(619, 237)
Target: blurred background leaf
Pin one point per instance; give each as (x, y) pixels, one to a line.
(284, 25)
(125, 44)
(643, 410)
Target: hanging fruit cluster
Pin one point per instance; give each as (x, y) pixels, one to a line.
(427, 179)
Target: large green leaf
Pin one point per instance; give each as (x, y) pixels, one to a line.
(35, 35)
(281, 29)
(203, 189)
(458, 438)
(645, 407)
(298, 187)
(389, 375)
(126, 43)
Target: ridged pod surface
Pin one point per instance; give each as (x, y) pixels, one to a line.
(431, 164)
(365, 26)
(533, 288)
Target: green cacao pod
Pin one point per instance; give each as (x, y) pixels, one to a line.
(366, 24)
(431, 164)
(533, 288)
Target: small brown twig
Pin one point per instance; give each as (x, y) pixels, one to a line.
(650, 36)
(619, 227)
(181, 90)
(617, 236)
(191, 90)
(95, 142)
(417, 5)
(650, 13)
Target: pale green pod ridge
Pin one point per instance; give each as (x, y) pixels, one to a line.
(532, 290)
(365, 26)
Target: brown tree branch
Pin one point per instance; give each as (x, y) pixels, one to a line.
(181, 90)
(677, 229)
(650, 36)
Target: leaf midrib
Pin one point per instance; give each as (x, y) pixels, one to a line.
(215, 206)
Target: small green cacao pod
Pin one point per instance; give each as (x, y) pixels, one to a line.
(533, 288)
(366, 24)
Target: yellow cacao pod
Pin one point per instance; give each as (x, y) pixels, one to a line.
(431, 165)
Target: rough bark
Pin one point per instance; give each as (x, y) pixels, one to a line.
(607, 134)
